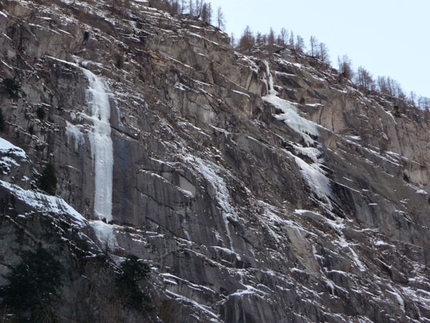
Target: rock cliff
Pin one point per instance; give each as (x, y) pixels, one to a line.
(257, 189)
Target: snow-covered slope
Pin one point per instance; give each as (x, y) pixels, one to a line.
(258, 189)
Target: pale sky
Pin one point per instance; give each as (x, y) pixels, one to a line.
(388, 38)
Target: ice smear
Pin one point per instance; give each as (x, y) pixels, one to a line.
(97, 96)
(74, 132)
(316, 179)
(105, 234)
(222, 195)
(313, 173)
(357, 261)
(44, 203)
(292, 118)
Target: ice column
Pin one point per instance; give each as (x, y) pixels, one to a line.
(270, 86)
(101, 144)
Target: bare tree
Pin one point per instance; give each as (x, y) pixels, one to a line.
(382, 85)
(220, 19)
(390, 87)
(323, 54)
(364, 80)
(233, 41)
(345, 67)
(291, 41)
(412, 98)
(283, 37)
(174, 8)
(191, 8)
(314, 47)
(424, 103)
(198, 8)
(259, 39)
(207, 13)
(300, 43)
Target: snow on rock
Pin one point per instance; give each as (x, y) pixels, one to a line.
(6, 148)
(46, 204)
(98, 100)
(10, 156)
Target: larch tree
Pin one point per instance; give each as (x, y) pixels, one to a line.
(345, 67)
(323, 54)
(313, 51)
(198, 8)
(300, 43)
(291, 41)
(247, 41)
(364, 80)
(220, 19)
(191, 7)
(271, 42)
(283, 37)
(233, 41)
(206, 13)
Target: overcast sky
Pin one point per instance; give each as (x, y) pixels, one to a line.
(388, 38)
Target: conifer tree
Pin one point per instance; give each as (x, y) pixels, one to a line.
(48, 181)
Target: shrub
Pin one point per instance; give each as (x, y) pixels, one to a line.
(397, 111)
(12, 87)
(40, 112)
(132, 270)
(48, 181)
(33, 287)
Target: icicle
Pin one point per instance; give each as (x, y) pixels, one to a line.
(101, 145)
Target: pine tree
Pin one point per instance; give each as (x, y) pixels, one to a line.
(132, 270)
(48, 181)
(33, 286)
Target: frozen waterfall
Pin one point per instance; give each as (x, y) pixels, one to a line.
(269, 81)
(101, 144)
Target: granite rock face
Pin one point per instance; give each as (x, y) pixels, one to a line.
(258, 189)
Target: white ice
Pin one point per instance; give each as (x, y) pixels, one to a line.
(105, 234)
(269, 82)
(97, 97)
(292, 118)
(74, 132)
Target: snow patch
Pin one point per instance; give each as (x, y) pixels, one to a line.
(44, 203)
(8, 148)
